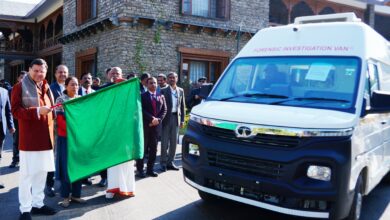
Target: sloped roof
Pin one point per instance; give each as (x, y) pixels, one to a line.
(17, 8)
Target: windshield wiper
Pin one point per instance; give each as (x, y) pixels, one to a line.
(320, 99)
(265, 95)
(311, 99)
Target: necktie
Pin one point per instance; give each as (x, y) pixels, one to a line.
(154, 105)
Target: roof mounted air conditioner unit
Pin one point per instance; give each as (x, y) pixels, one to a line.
(340, 17)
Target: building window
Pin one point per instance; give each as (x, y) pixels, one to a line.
(207, 8)
(86, 62)
(196, 63)
(86, 11)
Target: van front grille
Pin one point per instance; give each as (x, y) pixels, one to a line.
(247, 165)
(259, 139)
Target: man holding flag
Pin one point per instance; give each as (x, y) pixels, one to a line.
(31, 106)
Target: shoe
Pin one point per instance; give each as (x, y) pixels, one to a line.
(102, 183)
(25, 216)
(44, 210)
(1, 186)
(65, 203)
(163, 168)
(140, 174)
(152, 174)
(78, 200)
(87, 182)
(13, 165)
(172, 167)
(49, 192)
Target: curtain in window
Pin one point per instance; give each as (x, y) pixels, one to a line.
(197, 70)
(200, 7)
(93, 8)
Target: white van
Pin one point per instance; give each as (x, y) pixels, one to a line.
(299, 122)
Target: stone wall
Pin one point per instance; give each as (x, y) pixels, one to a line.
(105, 9)
(118, 46)
(250, 14)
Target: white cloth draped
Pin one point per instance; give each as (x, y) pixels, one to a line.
(121, 180)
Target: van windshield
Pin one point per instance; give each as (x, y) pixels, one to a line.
(313, 82)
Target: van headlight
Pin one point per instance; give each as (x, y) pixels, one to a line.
(193, 149)
(319, 172)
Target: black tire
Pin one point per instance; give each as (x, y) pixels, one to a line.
(354, 213)
(207, 197)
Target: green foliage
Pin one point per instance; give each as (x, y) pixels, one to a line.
(157, 34)
(139, 50)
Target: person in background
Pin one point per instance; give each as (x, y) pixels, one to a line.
(144, 85)
(131, 75)
(86, 84)
(162, 82)
(174, 97)
(31, 105)
(153, 111)
(95, 83)
(69, 191)
(120, 178)
(109, 81)
(57, 88)
(194, 97)
(15, 149)
(6, 119)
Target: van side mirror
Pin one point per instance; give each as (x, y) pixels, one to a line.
(380, 102)
(205, 90)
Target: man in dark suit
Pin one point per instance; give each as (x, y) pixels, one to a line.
(6, 119)
(86, 84)
(174, 97)
(153, 111)
(58, 86)
(144, 85)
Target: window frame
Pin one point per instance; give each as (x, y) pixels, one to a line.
(226, 11)
(80, 12)
(83, 56)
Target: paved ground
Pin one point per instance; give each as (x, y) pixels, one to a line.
(164, 197)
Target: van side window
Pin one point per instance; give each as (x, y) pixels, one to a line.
(373, 78)
(372, 82)
(385, 76)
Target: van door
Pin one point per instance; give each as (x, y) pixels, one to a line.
(374, 142)
(384, 81)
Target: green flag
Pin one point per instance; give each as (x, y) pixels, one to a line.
(104, 129)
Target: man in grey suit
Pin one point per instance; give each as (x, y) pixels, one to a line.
(174, 118)
(6, 119)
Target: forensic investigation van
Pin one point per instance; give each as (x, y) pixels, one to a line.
(299, 122)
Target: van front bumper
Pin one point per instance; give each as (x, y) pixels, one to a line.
(279, 183)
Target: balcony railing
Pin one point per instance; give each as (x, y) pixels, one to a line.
(20, 46)
(50, 42)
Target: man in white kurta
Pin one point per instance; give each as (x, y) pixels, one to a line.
(120, 178)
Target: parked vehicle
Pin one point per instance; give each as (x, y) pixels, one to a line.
(299, 122)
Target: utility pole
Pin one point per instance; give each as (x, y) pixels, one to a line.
(370, 14)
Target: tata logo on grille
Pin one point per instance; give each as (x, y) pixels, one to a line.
(244, 132)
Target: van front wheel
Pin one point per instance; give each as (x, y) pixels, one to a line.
(354, 213)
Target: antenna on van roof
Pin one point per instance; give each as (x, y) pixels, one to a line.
(340, 17)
